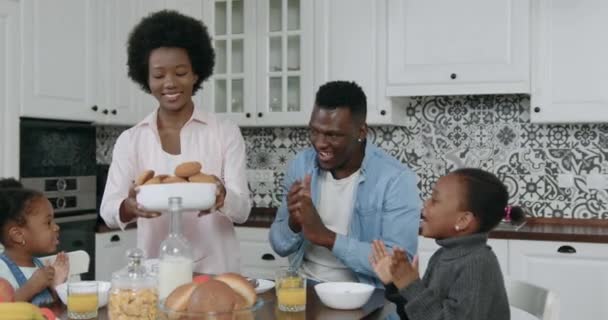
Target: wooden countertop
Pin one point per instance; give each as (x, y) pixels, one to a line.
(547, 229)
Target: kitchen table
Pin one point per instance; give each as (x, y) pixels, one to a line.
(375, 309)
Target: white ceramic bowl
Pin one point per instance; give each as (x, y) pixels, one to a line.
(195, 196)
(344, 295)
(103, 288)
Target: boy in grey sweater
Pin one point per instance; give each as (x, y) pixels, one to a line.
(463, 279)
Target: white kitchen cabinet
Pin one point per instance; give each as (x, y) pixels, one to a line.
(258, 260)
(263, 70)
(348, 35)
(122, 100)
(569, 69)
(578, 272)
(9, 87)
(428, 246)
(443, 47)
(111, 251)
(58, 59)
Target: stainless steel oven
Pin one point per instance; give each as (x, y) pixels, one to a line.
(57, 158)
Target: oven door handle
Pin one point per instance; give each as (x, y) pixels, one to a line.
(82, 217)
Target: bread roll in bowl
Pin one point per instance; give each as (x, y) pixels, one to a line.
(144, 177)
(180, 297)
(242, 287)
(188, 169)
(173, 179)
(212, 296)
(202, 178)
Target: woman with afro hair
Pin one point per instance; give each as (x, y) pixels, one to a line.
(169, 56)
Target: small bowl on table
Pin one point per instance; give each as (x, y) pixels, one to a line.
(195, 195)
(344, 295)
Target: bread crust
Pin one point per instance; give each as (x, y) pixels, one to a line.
(188, 169)
(144, 177)
(174, 179)
(202, 178)
(179, 298)
(241, 286)
(212, 296)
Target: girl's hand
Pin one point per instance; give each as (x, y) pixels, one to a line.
(404, 272)
(42, 278)
(62, 268)
(381, 262)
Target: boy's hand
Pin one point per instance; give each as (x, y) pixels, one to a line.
(42, 278)
(381, 262)
(62, 268)
(404, 272)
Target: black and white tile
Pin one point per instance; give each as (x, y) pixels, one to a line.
(443, 133)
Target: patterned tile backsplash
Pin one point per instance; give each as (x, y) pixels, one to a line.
(546, 167)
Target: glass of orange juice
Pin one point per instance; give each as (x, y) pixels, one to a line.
(82, 300)
(291, 290)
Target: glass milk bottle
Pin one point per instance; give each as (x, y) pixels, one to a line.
(175, 263)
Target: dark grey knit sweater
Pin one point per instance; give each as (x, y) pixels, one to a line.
(462, 281)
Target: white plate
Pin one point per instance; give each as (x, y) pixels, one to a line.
(264, 285)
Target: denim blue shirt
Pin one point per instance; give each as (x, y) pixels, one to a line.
(386, 206)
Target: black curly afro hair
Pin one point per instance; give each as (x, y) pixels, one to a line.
(169, 28)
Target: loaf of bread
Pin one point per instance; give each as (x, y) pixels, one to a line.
(180, 297)
(241, 286)
(225, 293)
(212, 296)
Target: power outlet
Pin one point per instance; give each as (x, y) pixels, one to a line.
(597, 181)
(260, 175)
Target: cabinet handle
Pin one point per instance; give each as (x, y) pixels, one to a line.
(248, 115)
(105, 111)
(114, 112)
(566, 249)
(77, 244)
(94, 108)
(382, 112)
(115, 238)
(537, 109)
(453, 76)
(267, 257)
(260, 114)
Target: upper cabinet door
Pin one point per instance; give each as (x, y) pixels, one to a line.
(440, 47)
(9, 88)
(285, 68)
(121, 100)
(58, 59)
(230, 92)
(570, 73)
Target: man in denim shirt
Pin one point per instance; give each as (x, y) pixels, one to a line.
(343, 193)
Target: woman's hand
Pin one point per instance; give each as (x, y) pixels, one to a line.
(381, 262)
(220, 197)
(130, 209)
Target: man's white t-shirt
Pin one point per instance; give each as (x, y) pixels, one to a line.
(335, 207)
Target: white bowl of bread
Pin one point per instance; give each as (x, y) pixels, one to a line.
(227, 296)
(197, 189)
